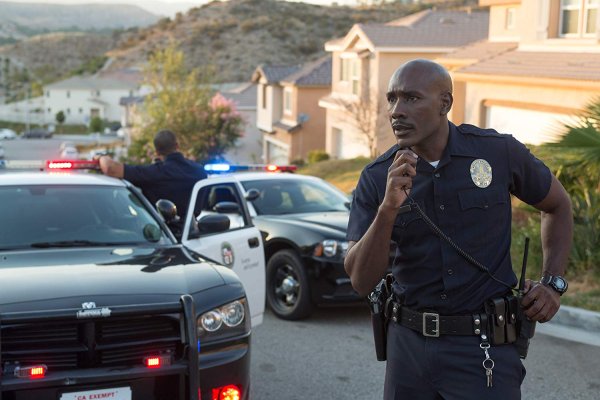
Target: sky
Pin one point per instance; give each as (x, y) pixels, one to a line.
(162, 7)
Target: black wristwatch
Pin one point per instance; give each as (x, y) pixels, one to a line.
(556, 282)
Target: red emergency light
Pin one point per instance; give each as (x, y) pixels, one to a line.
(31, 372)
(157, 361)
(229, 392)
(61, 165)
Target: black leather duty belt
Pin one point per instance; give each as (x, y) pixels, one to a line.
(433, 325)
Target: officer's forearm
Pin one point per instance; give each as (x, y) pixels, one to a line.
(556, 229)
(368, 259)
(557, 236)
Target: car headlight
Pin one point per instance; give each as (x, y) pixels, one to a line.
(331, 248)
(226, 320)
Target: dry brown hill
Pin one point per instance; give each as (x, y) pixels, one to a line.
(234, 37)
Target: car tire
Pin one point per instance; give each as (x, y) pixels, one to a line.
(288, 291)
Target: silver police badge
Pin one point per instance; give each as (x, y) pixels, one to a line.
(481, 173)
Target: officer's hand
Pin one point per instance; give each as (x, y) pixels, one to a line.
(399, 178)
(540, 302)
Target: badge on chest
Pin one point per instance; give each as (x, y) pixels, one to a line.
(481, 173)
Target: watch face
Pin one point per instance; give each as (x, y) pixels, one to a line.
(559, 283)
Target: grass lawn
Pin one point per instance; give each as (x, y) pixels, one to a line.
(584, 289)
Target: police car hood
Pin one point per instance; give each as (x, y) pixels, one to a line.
(328, 223)
(65, 278)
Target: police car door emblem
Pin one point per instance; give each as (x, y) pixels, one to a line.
(227, 254)
(481, 173)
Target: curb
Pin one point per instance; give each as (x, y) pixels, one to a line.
(575, 324)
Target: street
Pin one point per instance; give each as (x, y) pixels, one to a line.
(331, 356)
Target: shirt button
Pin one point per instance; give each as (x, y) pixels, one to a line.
(443, 296)
(450, 271)
(441, 207)
(437, 174)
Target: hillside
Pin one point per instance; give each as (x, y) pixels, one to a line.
(234, 37)
(231, 38)
(21, 20)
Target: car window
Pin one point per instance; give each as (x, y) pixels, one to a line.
(41, 216)
(210, 196)
(288, 196)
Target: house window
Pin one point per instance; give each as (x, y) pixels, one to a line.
(287, 100)
(511, 18)
(354, 76)
(68, 94)
(81, 111)
(345, 69)
(68, 111)
(264, 96)
(49, 110)
(47, 93)
(578, 17)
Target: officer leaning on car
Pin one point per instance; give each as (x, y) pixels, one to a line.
(452, 326)
(172, 177)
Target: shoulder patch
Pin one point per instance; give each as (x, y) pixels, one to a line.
(474, 130)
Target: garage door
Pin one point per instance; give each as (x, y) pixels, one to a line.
(529, 126)
(277, 154)
(348, 144)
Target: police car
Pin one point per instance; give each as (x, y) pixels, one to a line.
(303, 221)
(99, 300)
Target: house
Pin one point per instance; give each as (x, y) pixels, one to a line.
(82, 98)
(538, 68)
(288, 115)
(248, 148)
(364, 60)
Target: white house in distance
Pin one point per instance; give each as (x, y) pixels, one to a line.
(82, 98)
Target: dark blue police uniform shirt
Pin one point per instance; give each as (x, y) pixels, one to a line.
(171, 179)
(430, 274)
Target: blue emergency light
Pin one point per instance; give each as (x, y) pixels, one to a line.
(223, 168)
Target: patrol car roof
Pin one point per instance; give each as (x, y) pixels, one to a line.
(56, 178)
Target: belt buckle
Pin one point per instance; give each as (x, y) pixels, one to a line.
(436, 320)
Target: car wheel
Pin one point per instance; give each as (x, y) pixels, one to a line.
(288, 292)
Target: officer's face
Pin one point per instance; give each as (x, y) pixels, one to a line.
(416, 107)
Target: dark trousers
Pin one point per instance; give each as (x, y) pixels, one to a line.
(448, 367)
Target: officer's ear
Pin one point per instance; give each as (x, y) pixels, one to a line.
(446, 103)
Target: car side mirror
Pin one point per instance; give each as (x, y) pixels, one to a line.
(252, 194)
(213, 223)
(227, 207)
(167, 209)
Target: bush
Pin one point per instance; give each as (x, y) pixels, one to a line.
(298, 162)
(317, 155)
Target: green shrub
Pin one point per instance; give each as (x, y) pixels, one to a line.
(317, 155)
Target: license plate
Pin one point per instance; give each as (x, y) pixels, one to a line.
(123, 393)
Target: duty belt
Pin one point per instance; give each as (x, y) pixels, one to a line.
(432, 324)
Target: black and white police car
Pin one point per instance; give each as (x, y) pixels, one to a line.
(303, 221)
(99, 300)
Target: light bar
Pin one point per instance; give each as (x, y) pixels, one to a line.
(32, 372)
(71, 164)
(22, 164)
(218, 168)
(157, 361)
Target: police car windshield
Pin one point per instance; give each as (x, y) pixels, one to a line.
(44, 216)
(295, 196)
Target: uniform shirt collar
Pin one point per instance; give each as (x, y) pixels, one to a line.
(457, 146)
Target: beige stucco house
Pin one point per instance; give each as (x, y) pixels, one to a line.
(288, 114)
(538, 68)
(364, 60)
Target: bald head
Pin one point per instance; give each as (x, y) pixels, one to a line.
(431, 72)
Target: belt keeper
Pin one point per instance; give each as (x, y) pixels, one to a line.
(476, 324)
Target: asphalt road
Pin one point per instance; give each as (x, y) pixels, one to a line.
(330, 356)
(45, 149)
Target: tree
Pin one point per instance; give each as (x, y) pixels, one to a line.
(364, 114)
(205, 123)
(60, 119)
(96, 124)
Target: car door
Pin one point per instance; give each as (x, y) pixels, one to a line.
(240, 247)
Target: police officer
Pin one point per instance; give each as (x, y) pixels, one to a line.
(172, 177)
(461, 177)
